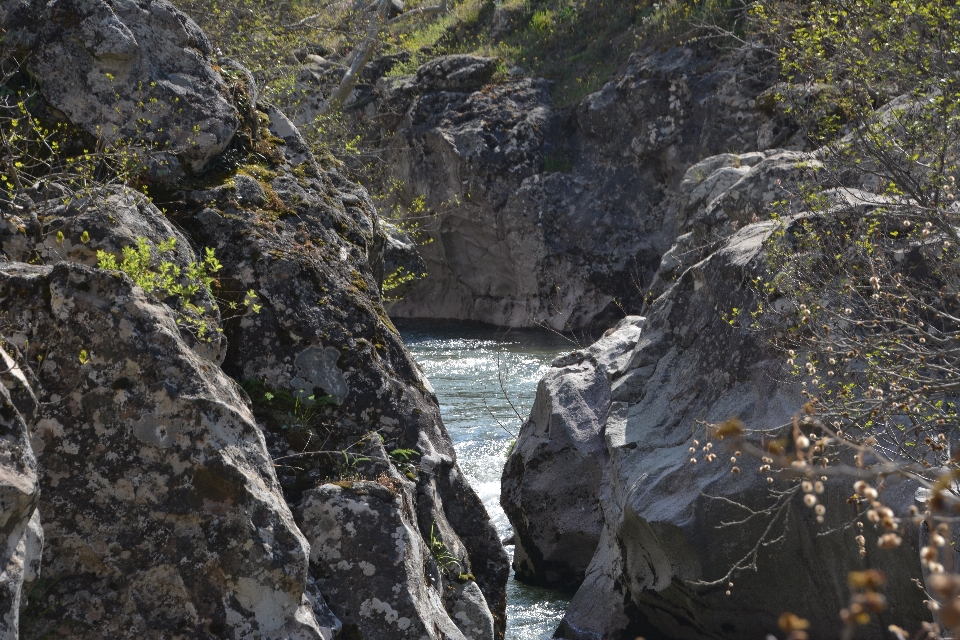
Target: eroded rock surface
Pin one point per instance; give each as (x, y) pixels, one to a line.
(661, 549)
(159, 471)
(165, 516)
(127, 70)
(559, 216)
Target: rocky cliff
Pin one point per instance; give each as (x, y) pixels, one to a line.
(616, 486)
(532, 215)
(214, 464)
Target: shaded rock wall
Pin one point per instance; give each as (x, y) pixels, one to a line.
(555, 216)
(661, 536)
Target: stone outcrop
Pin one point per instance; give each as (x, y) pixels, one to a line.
(723, 193)
(550, 216)
(127, 71)
(162, 515)
(166, 482)
(662, 551)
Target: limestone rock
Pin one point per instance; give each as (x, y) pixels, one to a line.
(372, 564)
(558, 217)
(169, 518)
(731, 197)
(112, 219)
(721, 194)
(128, 70)
(480, 266)
(661, 547)
(165, 518)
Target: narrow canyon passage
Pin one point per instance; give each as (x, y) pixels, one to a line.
(460, 361)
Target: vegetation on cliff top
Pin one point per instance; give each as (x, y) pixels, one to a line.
(576, 43)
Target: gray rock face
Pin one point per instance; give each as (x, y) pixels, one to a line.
(21, 538)
(165, 516)
(558, 217)
(127, 70)
(315, 262)
(661, 542)
(723, 193)
(558, 518)
(372, 564)
(110, 220)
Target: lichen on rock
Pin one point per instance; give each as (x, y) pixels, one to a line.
(128, 71)
(165, 516)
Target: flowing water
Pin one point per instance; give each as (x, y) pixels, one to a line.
(466, 363)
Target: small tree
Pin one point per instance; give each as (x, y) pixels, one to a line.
(361, 55)
(49, 163)
(868, 280)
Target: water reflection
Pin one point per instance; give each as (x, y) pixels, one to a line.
(461, 362)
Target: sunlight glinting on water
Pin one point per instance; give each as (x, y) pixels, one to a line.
(461, 362)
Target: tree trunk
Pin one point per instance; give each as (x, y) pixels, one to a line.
(364, 51)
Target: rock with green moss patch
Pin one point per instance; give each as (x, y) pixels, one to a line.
(125, 70)
(164, 515)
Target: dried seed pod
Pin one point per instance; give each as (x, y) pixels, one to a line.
(889, 541)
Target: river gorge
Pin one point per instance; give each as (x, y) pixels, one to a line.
(465, 363)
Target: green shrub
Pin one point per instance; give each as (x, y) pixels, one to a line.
(190, 288)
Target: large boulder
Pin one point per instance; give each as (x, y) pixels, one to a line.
(375, 568)
(21, 538)
(127, 70)
(310, 244)
(549, 216)
(558, 520)
(667, 552)
(163, 515)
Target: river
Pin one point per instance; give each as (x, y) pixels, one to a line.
(461, 362)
